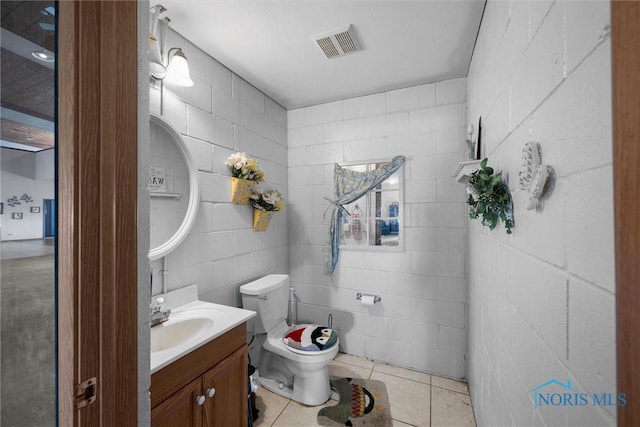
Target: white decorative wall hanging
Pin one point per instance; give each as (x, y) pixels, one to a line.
(533, 174)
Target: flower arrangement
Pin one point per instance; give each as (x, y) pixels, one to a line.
(243, 167)
(489, 198)
(270, 201)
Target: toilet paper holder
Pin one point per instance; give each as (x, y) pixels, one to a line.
(376, 298)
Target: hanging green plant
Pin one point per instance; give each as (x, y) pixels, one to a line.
(489, 198)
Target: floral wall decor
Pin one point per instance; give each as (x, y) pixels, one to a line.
(267, 201)
(26, 198)
(243, 167)
(264, 205)
(489, 198)
(245, 173)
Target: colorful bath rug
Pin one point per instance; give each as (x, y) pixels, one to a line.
(362, 403)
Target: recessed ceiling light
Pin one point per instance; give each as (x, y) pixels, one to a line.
(43, 55)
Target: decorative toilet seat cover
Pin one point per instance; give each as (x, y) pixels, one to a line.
(310, 337)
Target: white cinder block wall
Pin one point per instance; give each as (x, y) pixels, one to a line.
(219, 115)
(421, 321)
(541, 302)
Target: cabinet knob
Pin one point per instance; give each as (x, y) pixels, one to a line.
(200, 400)
(211, 392)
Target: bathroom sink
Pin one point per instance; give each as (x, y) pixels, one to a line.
(183, 327)
(173, 334)
(190, 326)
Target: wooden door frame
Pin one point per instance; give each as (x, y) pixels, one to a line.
(97, 210)
(625, 41)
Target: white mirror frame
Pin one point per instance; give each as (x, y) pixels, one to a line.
(194, 193)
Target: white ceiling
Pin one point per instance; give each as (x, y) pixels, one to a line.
(269, 43)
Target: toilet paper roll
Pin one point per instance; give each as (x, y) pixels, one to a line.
(368, 300)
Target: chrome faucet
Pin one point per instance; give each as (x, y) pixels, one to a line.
(158, 312)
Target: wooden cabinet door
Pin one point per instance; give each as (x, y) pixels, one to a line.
(227, 382)
(181, 409)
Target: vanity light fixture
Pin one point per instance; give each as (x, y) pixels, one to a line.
(178, 69)
(173, 67)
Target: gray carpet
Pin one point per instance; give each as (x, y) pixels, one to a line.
(27, 342)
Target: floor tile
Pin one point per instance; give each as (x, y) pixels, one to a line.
(449, 408)
(409, 400)
(413, 401)
(459, 386)
(354, 360)
(397, 423)
(343, 370)
(270, 406)
(403, 373)
(296, 414)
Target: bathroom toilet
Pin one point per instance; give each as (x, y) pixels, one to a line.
(299, 373)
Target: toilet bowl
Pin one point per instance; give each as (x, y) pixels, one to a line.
(298, 374)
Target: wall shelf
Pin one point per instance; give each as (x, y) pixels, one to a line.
(159, 195)
(464, 169)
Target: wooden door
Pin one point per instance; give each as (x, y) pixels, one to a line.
(625, 43)
(181, 409)
(228, 380)
(97, 124)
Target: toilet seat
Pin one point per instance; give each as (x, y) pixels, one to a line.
(309, 339)
(311, 353)
(275, 344)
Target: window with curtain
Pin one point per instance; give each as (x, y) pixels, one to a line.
(374, 221)
(359, 217)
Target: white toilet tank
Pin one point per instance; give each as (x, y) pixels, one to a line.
(268, 297)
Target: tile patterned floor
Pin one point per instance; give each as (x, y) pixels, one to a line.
(416, 399)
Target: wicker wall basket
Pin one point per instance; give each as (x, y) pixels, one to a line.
(261, 219)
(241, 190)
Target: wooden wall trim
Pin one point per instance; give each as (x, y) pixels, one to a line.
(98, 129)
(625, 38)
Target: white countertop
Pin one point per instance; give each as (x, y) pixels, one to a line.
(218, 319)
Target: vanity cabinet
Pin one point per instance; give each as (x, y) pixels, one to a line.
(205, 388)
(224, 407)
(181, 409)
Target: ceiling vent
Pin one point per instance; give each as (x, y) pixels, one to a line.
(338, 42)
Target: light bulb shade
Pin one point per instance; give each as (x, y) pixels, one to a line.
(178, 70)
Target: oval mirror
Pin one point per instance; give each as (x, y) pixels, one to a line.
(173, 188)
